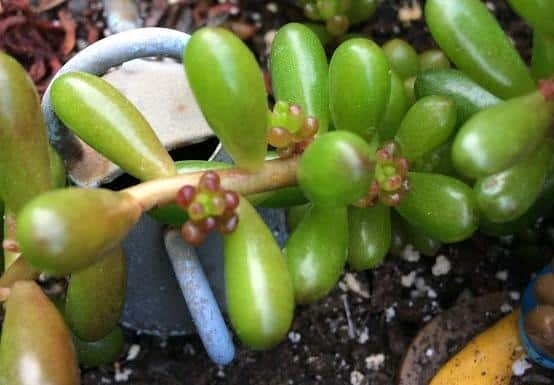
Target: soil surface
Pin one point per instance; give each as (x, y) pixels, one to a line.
(359, 334)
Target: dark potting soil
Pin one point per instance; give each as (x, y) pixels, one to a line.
(358, 334)
(361, 331)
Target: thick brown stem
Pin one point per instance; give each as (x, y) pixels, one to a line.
(19, 270)
(9, 244)
(275, 174)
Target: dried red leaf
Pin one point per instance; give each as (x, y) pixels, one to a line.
(70, 27)
(46, 5)
(93, 33)
(200, 13)
(37, 70)
(157, 11)
(224, 8)
(40, 45)
(243, 30)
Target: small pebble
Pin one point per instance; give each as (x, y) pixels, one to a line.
(442, 266)
(429, 352)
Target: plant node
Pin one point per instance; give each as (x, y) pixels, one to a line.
(290, 131)
(546, 86)
(10, 245)
(4, 293)
(209, 207)
(391, 181)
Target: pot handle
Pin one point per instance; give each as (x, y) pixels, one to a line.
(97, 59)
(107, 53)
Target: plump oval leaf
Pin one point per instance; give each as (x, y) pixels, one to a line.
(440, 206)
(471, 37)
(336, 169)
(105, 119)
(316, 252)
(299, 71)
(63, 231)
(359, 86)
(260, 295)
(228, 85)
(24, 161)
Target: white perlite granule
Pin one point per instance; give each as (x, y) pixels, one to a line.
(122, 375)
(295, 337)
(506, 308)
(363, 335)
(272, 7)
(520, 366)
(390, 313)
(515, 295)
(356, 378)
(408, 280)
(133, 352)
(375, 361)
(410, 254)
(502, 275)
(355, 285)
(442, 266)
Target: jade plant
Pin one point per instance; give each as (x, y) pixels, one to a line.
(376, 148)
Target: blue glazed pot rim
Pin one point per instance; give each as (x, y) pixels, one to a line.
(528, 303)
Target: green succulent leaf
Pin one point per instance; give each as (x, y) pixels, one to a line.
(228, 85)
(106, 120)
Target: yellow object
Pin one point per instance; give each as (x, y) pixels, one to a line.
(487, 359)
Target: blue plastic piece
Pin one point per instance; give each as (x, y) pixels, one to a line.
(200, 300)
(528, 303)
